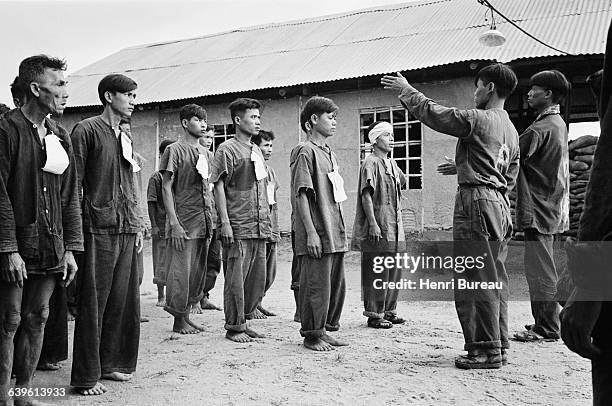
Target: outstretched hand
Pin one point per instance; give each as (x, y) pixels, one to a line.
(397, 82)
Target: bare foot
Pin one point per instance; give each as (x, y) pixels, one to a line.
(332, 341)
(253, 333)
(48, 366)
(257, 315)
(97, 389)
(265, 311)
(192, 324)
(316, 344)
(238, 337)
(206, 304)
(117, 376)
(182, 327)
(161, 301)
(196, 309)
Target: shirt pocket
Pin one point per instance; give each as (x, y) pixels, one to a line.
(27, 240)
(104, 215)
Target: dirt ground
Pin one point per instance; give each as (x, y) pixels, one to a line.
(408, 364)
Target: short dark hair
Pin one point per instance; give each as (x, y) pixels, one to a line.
(115, 83)
(125, 121)
(316, 105)
(501, 75)
(594, 81)
(4, 109)
(241, 105)
(163, 145)
(17, 90)
(31, 68)
(552, 80)
(262, 136)
(192, 110)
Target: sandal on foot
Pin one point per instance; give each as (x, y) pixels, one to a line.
(531, 336)
(379, 323)
(395, 319)
(479, 361)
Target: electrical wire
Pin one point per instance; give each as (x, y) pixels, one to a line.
(488, 4)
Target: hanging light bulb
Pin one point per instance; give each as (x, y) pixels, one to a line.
(492, 37)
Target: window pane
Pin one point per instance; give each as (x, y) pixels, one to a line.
(414, 182)
(383, 116)
(411, 117)
(219, 129)
(401, 164)
(414, 167)
(230, 129)
(367, 119)
(414, 151)
(414, 132)
(362, 136)
(399, 151)
(399, 133)
(218, 141)
(399, 116)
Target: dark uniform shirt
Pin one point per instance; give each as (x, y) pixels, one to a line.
(487, 152)
(110, 195)
(385, 185)
(273, 183)
(188, 187)
(40, 215)
(247, 201)
(310, 164)
(211, 208)
(154, 195)
(543, 182)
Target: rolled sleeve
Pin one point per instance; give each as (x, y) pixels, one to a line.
(302, 174)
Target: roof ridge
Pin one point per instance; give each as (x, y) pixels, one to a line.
(327, 17)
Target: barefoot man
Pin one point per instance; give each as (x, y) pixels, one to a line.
(157, 216)
(240, 179)
(184, 188)
(317, 191)
(40, 218)
(107, 329)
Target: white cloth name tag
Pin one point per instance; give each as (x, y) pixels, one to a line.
(57, 158)
(260, 166)
(202, 166)
(338, 186)
(126, 148)
(271, 192)
(211, 186)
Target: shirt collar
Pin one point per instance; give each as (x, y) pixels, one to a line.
(554, 109)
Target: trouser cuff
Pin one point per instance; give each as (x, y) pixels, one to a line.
(176, 313)
(312, 333)
(482, 345)
(330, 327)
(373, 315)
(239, 328)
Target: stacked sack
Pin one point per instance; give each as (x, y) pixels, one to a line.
(581, 151)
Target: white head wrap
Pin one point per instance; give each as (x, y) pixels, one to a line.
(378, 130)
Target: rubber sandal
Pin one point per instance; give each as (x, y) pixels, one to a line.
(379, 323)
(531, 336)
(395, 319)
(479, 361)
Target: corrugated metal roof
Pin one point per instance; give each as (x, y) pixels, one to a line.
(367, 42)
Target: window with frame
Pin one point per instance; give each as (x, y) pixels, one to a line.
(407, 144)
(223, 132)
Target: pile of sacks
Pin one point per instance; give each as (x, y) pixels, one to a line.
(581, 151)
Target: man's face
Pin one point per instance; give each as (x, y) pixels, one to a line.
(266, 149)
(195, 126)
(325, 124)
(249, 122)
(52, 91)
(482, 94)
(385, 142)
(538, 97)
(207, 140)
(123, 103)
(125, 127)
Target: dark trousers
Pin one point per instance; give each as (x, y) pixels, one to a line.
(378, 302)
(244, 264)
(322, 292)
(295, 266)
(107, 328)
(213, 263)
(542, 280)
(26, 308)
(55, 343)
(159, 260)
(270, 265)
(185, 275)
(481, 228)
